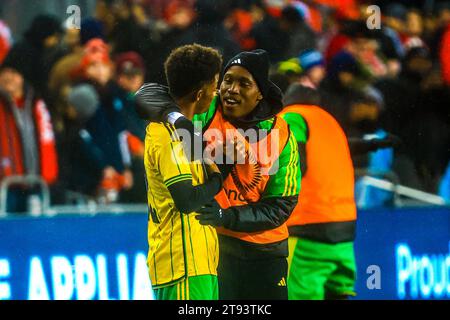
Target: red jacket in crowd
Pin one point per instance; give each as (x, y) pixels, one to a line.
(13, 141)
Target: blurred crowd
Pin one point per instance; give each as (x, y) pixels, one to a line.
(66, 94)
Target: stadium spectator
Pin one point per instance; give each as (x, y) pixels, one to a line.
(389, 41)
(28, 142)
(433, 130)
(93, 166)
(96, 69)
(208, 28)
(37, 51)
(129, 77)
(284, 37)
(103, 13)
(241, 20)
(308, 69)
(130, 30)
(341, 87)
(286, 73)
(313, 66)
(402, 98)
(365, 124)
(414, 30)
(395, 18)
(268, 35)
(60, 78)
(301, 37)
(165, 32)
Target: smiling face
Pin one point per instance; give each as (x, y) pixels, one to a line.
(239, 93)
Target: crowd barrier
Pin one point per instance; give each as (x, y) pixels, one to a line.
(401, 254)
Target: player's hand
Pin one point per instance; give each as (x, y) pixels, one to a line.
(390, 141)
(109, 173)
(127, 179)
(154, 103)
(214, 151)
(212, 214)
(239, 152)
(214, 174)
(213, 170)
(211, 167)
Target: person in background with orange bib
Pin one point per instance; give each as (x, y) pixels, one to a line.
(322, 225)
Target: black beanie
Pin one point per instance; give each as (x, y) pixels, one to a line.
(257, 63)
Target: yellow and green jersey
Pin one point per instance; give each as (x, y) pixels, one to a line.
(179, 246)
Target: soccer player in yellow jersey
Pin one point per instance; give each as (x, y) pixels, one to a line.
(183, 254)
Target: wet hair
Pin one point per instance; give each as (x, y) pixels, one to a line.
(190, 67)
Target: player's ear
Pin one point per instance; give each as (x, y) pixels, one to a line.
(260, 96)
(199, 95)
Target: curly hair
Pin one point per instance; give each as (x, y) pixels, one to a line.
(190, 67)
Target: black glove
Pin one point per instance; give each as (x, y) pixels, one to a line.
(212, 214)
(154, 103)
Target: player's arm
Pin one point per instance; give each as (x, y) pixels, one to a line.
(360, 146)
(90, 152)
(266, 214)
(189, 198)
(175, 170)
(275, 206)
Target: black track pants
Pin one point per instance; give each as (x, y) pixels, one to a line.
(258, 279)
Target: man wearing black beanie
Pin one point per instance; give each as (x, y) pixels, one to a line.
(255, 65)
(260, 192)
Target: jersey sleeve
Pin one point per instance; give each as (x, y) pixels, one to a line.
(172, 162)
(287, 179)
(297, 125)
